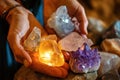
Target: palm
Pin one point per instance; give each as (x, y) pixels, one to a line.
(74, 10)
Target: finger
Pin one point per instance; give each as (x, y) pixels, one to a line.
(20, 60)
(22, 51)
(81, 16)
(65, 66)
(64, 72)
(49, 70)
(19, 52)
(66, 55)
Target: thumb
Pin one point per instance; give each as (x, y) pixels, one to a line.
(19, 52)
(82, 19)
(26, 57)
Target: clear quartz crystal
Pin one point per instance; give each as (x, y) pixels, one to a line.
(33, 39)
(61, 22)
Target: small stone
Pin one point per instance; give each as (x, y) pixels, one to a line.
(111, 45)
(96, 28)
(91, 76)
(61, 22)
(109, 62)
(33, 39)
(113, 31)
(73, 41)
(110, 75)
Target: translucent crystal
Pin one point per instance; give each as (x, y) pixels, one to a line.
(50, 37)
(86, 60)
(33, 39)
(50, 53)
(61, 22)
(73, 41)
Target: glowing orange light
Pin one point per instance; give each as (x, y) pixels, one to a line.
(50, 53)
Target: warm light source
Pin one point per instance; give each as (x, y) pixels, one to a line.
(47, 48)
(50, 53)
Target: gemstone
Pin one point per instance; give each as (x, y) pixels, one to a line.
(73, 41)
(50, 52)
(33, 39)
(86, 60)
(61, 22)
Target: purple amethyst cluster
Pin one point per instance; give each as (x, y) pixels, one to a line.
(86, 60)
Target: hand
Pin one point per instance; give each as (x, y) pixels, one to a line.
(21, 24)
(75, 9)
(60, 72)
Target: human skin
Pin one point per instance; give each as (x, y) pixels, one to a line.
(75, 9)
(21, 22)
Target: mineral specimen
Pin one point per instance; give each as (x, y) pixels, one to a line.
(49, 52)
(86, 60)
(73, 41)
(113, 31)
(114, 45)
(61, 22)
(96, 28)
(110, 75)
(109, 61)
(33, 39)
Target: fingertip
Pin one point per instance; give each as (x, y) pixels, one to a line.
(84, 32)
(28, 58)
(82, 19)
(83, 29)
(27, 63)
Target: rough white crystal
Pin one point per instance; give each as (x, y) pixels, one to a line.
(61, 22)
(33, 39)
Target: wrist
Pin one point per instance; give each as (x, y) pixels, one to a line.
(6, 5)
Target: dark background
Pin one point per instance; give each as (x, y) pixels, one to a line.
(106, 10)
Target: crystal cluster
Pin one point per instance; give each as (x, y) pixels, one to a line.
(61, 22)
(86, 60)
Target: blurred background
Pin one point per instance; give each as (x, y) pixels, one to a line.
(106, 10)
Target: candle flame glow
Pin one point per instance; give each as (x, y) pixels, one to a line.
(50, 53)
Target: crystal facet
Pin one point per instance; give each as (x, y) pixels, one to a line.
(86, 60)
(73, 41)
(33, 39)
(61, 22)
(50, 53)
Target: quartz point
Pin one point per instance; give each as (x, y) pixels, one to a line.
(61, 22)
(50, 52)
(33, 39)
